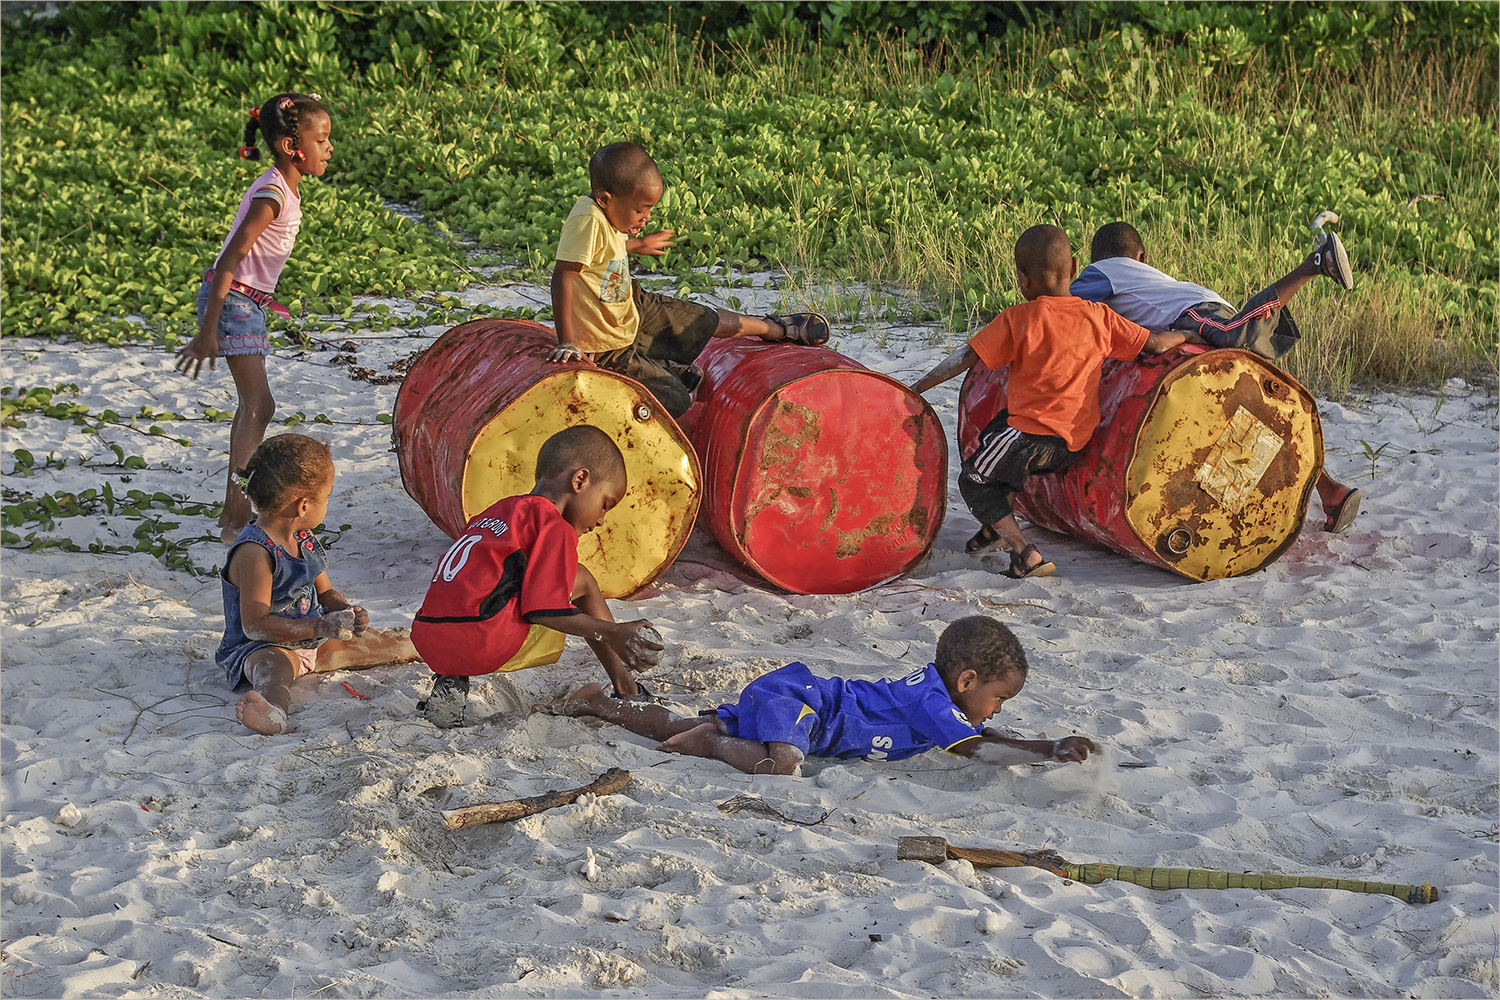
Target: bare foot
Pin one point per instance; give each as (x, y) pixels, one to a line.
(696, 742)
(587, 700)
(260, 715)
(227, 535)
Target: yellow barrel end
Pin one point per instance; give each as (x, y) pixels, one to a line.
(1224, 464)
(639, 538)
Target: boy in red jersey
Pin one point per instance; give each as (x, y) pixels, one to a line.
(510, 587)
(1055, 345)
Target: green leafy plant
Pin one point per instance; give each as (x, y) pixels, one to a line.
(900, 145)
(1372, 454)
(150, 535)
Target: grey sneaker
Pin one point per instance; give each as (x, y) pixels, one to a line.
(444, 707)
(1332, 260)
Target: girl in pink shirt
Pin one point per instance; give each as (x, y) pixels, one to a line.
(238, 289)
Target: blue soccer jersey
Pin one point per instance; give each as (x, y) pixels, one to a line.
(833, 717)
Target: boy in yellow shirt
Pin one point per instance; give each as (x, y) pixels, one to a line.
(603, 316)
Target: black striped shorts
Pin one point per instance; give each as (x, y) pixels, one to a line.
(1001, 463)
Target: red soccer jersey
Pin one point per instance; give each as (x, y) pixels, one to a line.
(519, 558)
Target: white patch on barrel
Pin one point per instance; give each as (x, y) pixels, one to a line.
(1238, 460)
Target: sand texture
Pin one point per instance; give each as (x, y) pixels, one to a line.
(1335, 714)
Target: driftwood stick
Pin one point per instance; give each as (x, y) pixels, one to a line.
(608, 783)
(936, 850)
(933, 850)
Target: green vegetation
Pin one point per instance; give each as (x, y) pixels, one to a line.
(22, 509)
(868, 148)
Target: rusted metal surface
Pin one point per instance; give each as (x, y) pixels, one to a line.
(1203, 463)
(475, 408)
(822, 476)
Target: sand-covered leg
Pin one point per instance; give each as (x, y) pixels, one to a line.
(374, 648)
(588, 700)
(270, 671)
(750, 756)
(594, 701)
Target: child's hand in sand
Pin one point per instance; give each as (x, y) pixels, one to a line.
(336, 625)
(642, 649)
(1073, 748)
(361, 619)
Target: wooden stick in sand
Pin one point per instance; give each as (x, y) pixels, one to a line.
(936, 850)
(608, 783)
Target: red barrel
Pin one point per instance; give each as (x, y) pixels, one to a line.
(1203, 462)
(474, 410)
(822, 476)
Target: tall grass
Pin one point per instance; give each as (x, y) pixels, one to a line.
(1388, 330)
(888, 181)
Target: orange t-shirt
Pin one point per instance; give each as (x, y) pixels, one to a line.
(1055, 346)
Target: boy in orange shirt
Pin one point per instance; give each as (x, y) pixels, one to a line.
(1055, 345)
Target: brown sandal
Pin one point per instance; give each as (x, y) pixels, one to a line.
(1020, 571)
(808, 329)
(984, 539)
(1341, 517)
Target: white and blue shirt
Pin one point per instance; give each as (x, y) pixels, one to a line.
(1140, 292)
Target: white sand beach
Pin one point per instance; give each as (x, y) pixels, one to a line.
(1335, 715)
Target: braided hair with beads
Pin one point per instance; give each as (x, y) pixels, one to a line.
(284, 467)
(280, 118)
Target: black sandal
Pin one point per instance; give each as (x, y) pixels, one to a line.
(1020, 571)
(642, 696)
(691, 376)
(984, 539)
(808, 329)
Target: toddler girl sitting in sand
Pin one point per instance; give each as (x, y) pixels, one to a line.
(282, 617)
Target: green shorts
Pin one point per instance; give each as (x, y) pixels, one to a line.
(672, 332)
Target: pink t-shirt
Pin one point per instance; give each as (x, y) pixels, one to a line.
(261, 268)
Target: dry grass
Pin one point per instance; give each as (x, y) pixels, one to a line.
(1395, 328)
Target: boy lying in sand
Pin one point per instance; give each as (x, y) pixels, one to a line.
(510, 587)
(790, 714)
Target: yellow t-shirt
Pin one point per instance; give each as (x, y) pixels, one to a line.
(604, 313)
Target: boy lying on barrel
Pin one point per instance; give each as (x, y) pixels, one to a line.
(790, 714)
(1055, 345)
(505, 592)
(1120, 278)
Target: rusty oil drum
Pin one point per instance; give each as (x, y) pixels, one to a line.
(474, 410)
(1203, 463)
(822, 476)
